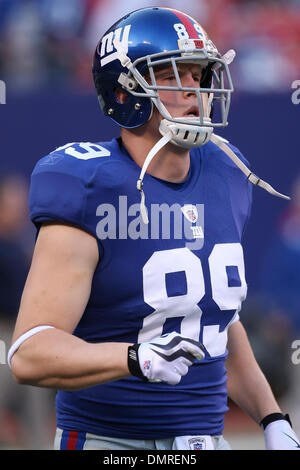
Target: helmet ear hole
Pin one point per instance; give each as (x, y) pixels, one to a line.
(121, 95)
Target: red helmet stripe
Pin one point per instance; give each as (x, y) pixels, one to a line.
(189, 25)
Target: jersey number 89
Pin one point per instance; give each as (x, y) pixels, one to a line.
(186, 306)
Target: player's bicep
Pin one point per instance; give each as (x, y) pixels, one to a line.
(59, 281)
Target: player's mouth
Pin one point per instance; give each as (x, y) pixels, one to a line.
(193, 111)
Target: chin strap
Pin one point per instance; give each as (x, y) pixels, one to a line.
(157, 147)
(222, 143)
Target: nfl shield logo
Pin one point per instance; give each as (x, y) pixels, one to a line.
(197, 443)
(190, 212)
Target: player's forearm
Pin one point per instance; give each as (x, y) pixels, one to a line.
(55, 358)
(251, 392)
(247, 385)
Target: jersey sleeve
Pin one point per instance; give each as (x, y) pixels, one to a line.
(59, 190)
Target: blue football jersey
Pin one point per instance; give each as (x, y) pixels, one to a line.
(184, 271)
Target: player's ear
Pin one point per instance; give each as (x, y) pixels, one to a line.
(121, 95)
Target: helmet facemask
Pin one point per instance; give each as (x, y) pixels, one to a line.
(187, 131)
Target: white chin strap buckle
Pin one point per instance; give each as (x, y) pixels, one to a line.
(222, 143)
(187, 136)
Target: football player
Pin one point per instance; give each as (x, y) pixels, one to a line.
(131, 306)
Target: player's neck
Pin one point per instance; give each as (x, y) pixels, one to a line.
(171, 163)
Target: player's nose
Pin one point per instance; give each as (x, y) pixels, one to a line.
(189, 80)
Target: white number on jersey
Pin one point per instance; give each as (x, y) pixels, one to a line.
(225, 296)
(84, 150)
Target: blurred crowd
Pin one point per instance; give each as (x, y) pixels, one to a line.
(51, 42)
(24, 411)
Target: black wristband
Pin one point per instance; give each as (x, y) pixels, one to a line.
(133, 362)
(274, 417)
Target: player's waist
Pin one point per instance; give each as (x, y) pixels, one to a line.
(130, 407)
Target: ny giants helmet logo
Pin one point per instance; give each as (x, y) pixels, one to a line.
(108, 51)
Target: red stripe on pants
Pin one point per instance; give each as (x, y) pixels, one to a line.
(72, 440)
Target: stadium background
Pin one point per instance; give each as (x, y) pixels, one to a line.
(46, 48)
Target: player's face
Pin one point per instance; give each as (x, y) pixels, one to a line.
(181, 103)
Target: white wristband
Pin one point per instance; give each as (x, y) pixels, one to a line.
(23, 338)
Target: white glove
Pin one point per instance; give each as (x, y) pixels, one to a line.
(279, 434)
(164, 359)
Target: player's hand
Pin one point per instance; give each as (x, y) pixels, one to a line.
(164, 359)
(279, 434)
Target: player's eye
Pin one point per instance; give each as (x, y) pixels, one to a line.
(170, 77)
